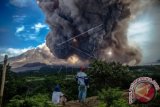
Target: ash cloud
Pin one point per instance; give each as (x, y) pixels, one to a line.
(90, 29)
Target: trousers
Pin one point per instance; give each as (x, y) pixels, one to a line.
(82, 93)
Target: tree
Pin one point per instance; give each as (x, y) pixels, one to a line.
(113, 74)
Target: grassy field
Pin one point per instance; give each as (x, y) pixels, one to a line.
(30, 88)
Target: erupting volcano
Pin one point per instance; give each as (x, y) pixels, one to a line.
(90, 29)
(83, 30)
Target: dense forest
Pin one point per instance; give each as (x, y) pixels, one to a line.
(108, 81)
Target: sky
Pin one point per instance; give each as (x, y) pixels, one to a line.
(144, 32)
(23, 27)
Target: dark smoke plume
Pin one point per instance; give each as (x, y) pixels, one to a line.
(90, 29)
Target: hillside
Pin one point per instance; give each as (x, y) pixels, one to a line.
(39, 57)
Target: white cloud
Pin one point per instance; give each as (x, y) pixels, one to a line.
(25, 33)
(11, 52)
(20, 29)
(21, 3)
(15, 51)
(38, 26)
(32, 37)
(18, 18)
(41, 45)
(31, 32)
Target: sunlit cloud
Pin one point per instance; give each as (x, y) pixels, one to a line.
(139, 31)
(138, 28)
(41, 45)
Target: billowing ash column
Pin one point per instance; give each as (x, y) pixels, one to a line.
(89, 29)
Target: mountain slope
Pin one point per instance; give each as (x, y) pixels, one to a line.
(35, 57)
(38, 57)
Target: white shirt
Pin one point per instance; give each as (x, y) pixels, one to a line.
(56, 96)
(81, 75)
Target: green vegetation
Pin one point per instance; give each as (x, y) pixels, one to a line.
(104, 74)
(112, 97)
(34, 101)
(34, 88)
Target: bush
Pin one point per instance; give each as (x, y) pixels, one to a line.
(112, 98)
(102, 104)
(34, 101)
(120, 103)
(113, 74)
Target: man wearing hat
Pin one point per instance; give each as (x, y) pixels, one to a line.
(82, 81)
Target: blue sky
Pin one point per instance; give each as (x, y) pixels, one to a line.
(22, 25)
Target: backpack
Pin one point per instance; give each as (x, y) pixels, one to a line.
(86, 81)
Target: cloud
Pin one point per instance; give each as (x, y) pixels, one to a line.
(19, 18)
(14, 51)
(32, 37)
(42, 45)
(29, 37)
(21, 3)
(25, 33)
(11, 52)
(17, 51)
(20, 29)
(31, 32)
(38, 26)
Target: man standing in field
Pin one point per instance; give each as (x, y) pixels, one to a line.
(82, 80)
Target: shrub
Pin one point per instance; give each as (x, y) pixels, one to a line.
(112, 98)
(113, 74)
(34, 101)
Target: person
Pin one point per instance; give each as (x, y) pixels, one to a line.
(82, 81)
(57, 96)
